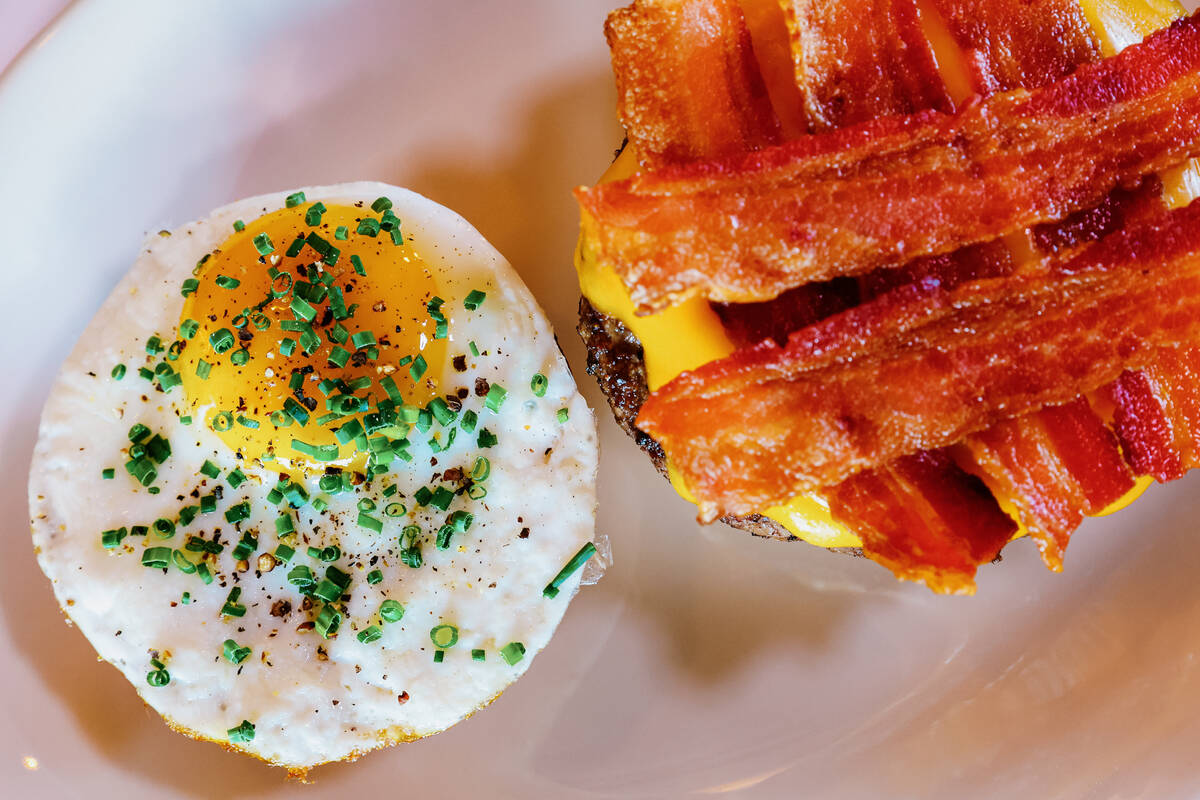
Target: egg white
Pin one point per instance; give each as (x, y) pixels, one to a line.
(314, 700)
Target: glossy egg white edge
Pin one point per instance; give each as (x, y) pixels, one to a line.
(314, 700)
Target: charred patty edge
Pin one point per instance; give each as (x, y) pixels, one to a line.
(616, 360)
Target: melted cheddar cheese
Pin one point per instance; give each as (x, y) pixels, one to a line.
(690, 334)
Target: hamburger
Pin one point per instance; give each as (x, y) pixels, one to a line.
(710, 91)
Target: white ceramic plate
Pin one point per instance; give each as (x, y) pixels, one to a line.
(705, 662)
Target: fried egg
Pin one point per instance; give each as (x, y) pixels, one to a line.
(316, 478)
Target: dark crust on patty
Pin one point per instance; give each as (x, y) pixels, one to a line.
(616, 360)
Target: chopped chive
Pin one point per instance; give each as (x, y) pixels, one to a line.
(203, 573)
(240, 357)
(108, 474)
(469, 419)
(232, 607)
(512, 652)
(362, 339)
(486, 438)
(301, 308)
(189, 287)
(158, 677)
(239, 226)
(395, 510)
(221, 341)
(189, 328)
(226, 282)
(478, 655)
(339, 356)
(328, 591)
(153, 346)
(294, 199)
(242, 733)
(418, 368)
(284, 553)
(312, 217)
(495, 397)
(328, 621)
(112, 539)
(439, 656)
(474, 300)
(246, 422)
(236, 477)
(186, 419)
(187, 514)
(563, 415)
(577, 561)
(381, 204)
(374, 576)
(481, 469)
(287, 346)
(222, 422)
(538, 385)
(294, 250)
(391, 611)
(442, 542)
(365, 520)
(330, 553)
(372, 633)
(233, 652)
(203, 368)
(474, 350)
(262, 243)
(165, 528)
(138, 432)
(369, 226)
(118, 372)
(442, 497)
(341, 233)
(325, 452)
(156, 557)
(444, 636)
(237, 513)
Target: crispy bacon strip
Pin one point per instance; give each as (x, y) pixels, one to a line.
(768, 423)
(925, 519)
(688, 85)
(888, 191)
(1018, 44)
(858, 61)
(1157, 414)
(1055, 466)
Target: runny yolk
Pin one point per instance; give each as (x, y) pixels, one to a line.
(246, 395)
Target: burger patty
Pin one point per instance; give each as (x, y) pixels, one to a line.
(616, 360)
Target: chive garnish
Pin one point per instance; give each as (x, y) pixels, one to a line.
(474, 300)
(495, 397)
(577, 561)
(512, 652)
(563, 415)
(478, 655)
(242, 733)
(439, 656)
(381, 204)
(486, 438)
(263, 244)
(374, 576)
(118, 372)
(538, 385)
(294, 199)
(391, 611)
(418, 368)
(112, 539)
(226, 282)
(233, 652)
(239, 226)
(328, 621)
(156, 557)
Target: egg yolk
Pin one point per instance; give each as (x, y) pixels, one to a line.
(300, 325)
